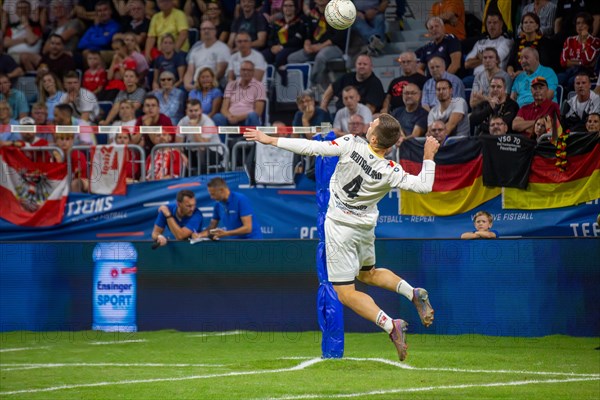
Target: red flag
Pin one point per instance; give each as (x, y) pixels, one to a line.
(108, 174)
(31, 193)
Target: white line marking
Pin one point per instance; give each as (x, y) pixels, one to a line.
(119, 342)
(298, 367)
(19, 367)
(22, 349)
(226, 333)
(428, 389)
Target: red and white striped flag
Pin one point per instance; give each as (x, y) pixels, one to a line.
(108, 172)
(31, 193)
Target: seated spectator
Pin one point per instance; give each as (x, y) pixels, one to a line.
(79, 167)
(245, 52)
(579, 52)
(15, 98)
(412, 117)
(30, 139)
(6, 120)
(63, 22)
(251, 21)
(55, 58)
(170, 98)
(541, 106)
(207, 92)
(8, 66)
(410, 74)
(50, 91)
(521, 89)
(23, 36)
(323, 43)
(442, 45)
(133, 51)
(593, 123)
(352, 106)
(209, 52)
(286, 36)
(530, 36)
(495, 38)
(126, 120)
(95, 76)
(364, 80)
(135, 22)
(437, 130)
(11, 15)
(169, 60)
(99, 36)
(498, 126)
(168, 20)
(244, 100)
(131, 163)
(121, 61)
(358, 127)
(496, 104)
(370, 24)
(183, 218)
(542, 126)
(308, 113)
(272, 10)
(168, 162)
(566, 15)
(437, 70)
(585, 102)
(481, 85)
(545, 11)
(39, 113)
(214, 14)
(453, 111)
(132, 93)
(151, 117)
(82, 101)
(452, 12)
(483, 222)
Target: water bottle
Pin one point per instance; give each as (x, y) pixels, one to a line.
(114, 293)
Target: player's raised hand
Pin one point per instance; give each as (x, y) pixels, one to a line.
(254, 135)
(431, 147)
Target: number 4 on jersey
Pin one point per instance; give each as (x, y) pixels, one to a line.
(352, 187)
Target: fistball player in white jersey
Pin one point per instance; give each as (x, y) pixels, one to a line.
(362, 177)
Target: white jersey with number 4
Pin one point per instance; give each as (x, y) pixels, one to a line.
(361, 177)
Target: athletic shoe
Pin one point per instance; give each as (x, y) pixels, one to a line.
(398, 337)
(421, 302)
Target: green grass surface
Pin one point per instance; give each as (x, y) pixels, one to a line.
(287, 365)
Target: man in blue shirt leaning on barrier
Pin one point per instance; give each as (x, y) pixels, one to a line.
(183, 219)
(234, 211)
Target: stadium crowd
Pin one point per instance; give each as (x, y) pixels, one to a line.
(133, 63)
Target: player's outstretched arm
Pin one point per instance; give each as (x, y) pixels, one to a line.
(431, 148)
(254, 135)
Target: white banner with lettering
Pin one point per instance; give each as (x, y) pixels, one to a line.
(108, 173)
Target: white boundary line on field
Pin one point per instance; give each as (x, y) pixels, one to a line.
(22, 349)
(118, 342)
(19, 367)
(226, 333)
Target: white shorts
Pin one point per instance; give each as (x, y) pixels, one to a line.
(348, 249)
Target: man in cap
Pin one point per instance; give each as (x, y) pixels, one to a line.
(541, 106)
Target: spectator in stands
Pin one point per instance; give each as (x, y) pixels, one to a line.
(481, 84)
(99, 36)
(357, 126)
(131, 162)
(498, 126)
(437, 70)
(234, 211)
(8, 66)
(11, 16)
(23, 36)
(579, 52)
(79, 167)
(82, 101)
(214, 13)
(244, 100)
(495, 38)
(272, 10)
(183, 218)
(364, 80)
(6, 120)
(120, 63)
(15, 98)
(545, 11)
(585, 102)
(323, 43)
(308, 113)
(207, 91)
(530, 36)
(133, 51)
(167, 162)
(442, 45)
(63, 22)
(251, 21)
(351, 100)
(410, 74)
(151, 117)
(437, 130)
(566, 13)
(370, 24)
(168, 20)
(542, 126)
(246, 52)
(95, 76)
(29, 139)
(453, 111)
(126, 120)
(39, 113)
(85, 10)
(135, 22)
(54, 58)
(286, 36)
(412, 117)
(170, 98)
(50, 91)
(542, 106)
(483, 222)
(132, 92)
(593, 123)
(496, 104)
(210, 52)
(530, 62)
(169, 60)
(452, 12)
(63, 115)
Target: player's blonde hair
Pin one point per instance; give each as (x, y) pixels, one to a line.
(387, 131)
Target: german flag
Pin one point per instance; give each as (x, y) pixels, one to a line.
(551, 187)
(458, 185)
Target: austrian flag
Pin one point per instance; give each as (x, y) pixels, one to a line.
(108, 172)
(31, 193)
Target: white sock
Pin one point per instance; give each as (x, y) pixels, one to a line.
(384, 321)
(405, 289)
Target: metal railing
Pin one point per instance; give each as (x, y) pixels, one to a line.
(221, 159)
(87, 149)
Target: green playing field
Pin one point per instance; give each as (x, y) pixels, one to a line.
(287, 365)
